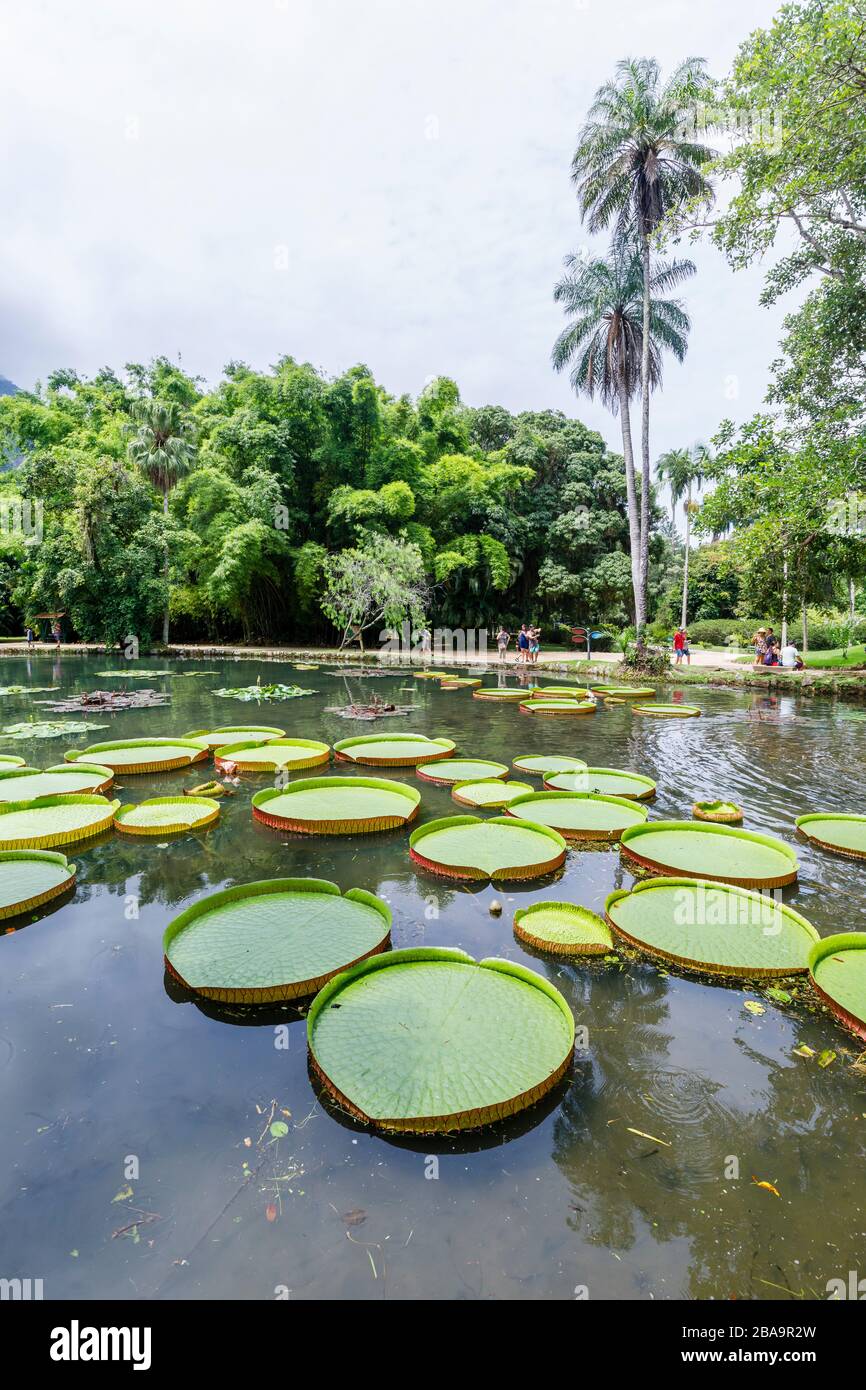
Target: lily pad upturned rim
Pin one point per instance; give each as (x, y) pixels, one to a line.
(557, 708)
(647, 794)
(50, 838)
(157, 764)
(204, 737)
(10, 760)
(568, 692)
(209, 808)
(460, 1120)
(802, 823)
(459, 681)
(523, 806)
(518, 873)
(523, 924)
(103, 777)
(703, 967)
(660, 710)
(625, 692)
(509, 791)
(709, 828)
(835, 945)
(434, 773)
(319, 755)
(497, 692)
(294, 989)
(342, 750)
(518, 763)
(36, 900)
(702, 810)
(342, 825)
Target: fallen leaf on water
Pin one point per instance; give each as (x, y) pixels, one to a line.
(279, 1129)
(804, 1051)
(781, 996)
(767, 1186)
(124, 1194)
(271, 1212)
(826, 1057)
(356, 1217)
(754, 1007)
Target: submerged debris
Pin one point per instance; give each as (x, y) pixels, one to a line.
(377, 708)
(108, 699)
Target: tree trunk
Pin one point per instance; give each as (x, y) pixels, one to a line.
(631, 497)
(644, 436)
(165, 571)
(852, 595)
(804, 648)
(686, 557)
(784, 636)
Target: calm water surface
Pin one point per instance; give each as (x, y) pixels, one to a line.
(100, 1061)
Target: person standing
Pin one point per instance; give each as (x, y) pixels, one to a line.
(503, 637)
(679, 646)
(522, 645)
(29, 636)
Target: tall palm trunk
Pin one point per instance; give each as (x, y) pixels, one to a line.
(165, 572)
(644, 439)
(685, 616)
(631, 496)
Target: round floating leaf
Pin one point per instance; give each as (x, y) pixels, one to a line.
(29, 878)
(140, 754)
(544, 764)
(488, 792)
(425, 1041)
(53, 820)
(557, 707)
(131, 674)
(568, 692)
(431, 675)
(9, 760)
(580, 815)
(603, 781)
(450, 770)
(293, 753)
(563, 929)
(625, 692)
(457, 682)
(234, 733)
(279, 939)
(392, 750)
(837, 965)
(496, 692)
(502, 848)
(840, 833)
(712, 927)
(337, 805)
(668, 711)
(25, 783)
(718, 852)
(722, 812)
(166, 815)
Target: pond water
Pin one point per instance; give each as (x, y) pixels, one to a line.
(106, 1071)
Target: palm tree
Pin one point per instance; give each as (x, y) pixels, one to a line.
(604, 340)
(682, 470)
(636, 162)
(162, 446)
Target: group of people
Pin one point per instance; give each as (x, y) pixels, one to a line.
(528, 644)
(770, 652)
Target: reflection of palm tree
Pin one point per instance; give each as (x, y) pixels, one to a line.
(682, 470)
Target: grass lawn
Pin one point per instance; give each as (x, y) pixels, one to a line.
(856, 656)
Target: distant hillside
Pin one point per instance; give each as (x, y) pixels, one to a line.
(7, 387)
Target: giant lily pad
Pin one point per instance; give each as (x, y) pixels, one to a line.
(604, 781)
(234, 733)
(552, 707)
(450, 770)
(292, 753)
(141, 754)
(132, 674)
(429, 1040)
(544, 764)
(25, 783)
(392, 750)
(432, 675)
(279, 939)
(498, 692)
(167, 815)
(9, 760)
(458, 682)
(662, 711)
(30, 878)
(49, 728)
(841, 834)
(337, 805)
(837, 965)
(625, 692)
(266, 693)
(491, 793)
(27, 689)
(580, 815)
(502, 848)
(567, 692)
(563, 929)
(721, 812)
(53, 820)
(712, 927)
(720, 853)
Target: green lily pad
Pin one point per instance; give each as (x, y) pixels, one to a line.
(663, 711)
(227, 734)
(141, 754)
(293, 753)
(502, 848)
(49, 728)
(27, 689)
(716, 852)
(425, 1041)
(279, 939)
(544, 764)
(625, 692)
(130, 673)
(458, 682)
(563, 929)
(30, 878)
(337, 806)
(712, 927)
(722, 812)
(837, 966)
(497, 692)
(10, 760)
(488, 792)
(25, 783)
(165, 815)
(450, 770)
(47, 821)
(580, 815)
(841, 834)
(603, 781)
(265, 693)
(553, 708)
(566, 692)
(392, 750)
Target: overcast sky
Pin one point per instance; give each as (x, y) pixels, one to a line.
(385, 182)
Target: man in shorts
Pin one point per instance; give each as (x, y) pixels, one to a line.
(681, 647)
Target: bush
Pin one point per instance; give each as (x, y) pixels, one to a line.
(650, 661)
(717, 632)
